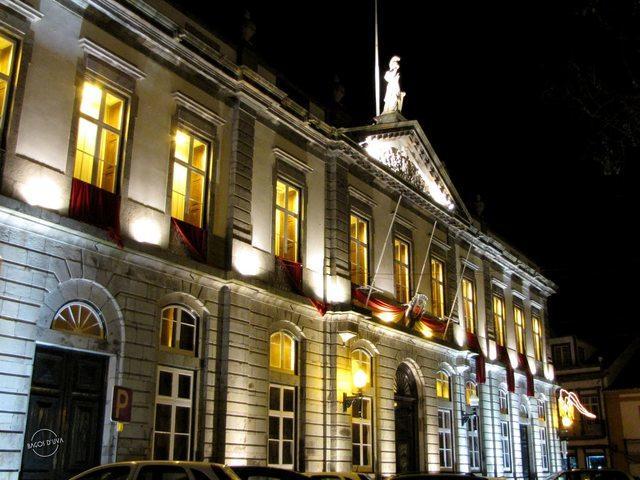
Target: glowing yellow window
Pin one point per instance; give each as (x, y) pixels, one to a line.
(470, 392)
(518, 320)
(99, 140)
(360, 369)
(442, 386)
(437, 288)
(7, 53)
(359, 250)
(498, 319)
(537, 338)
(282, 352)
(469, 303)
(188, 187)
(287, 215)
(401, 268)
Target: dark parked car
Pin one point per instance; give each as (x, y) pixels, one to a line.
(590, 474)
(267, 473)
(158, 470)
(437, 476)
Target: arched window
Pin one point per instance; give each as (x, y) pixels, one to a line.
(361, 362)
(179, 329)
(470, 392)
(524, 411)
(503, 401)
(442, 386)
(542, 407)
(79, 318)
(282, 352)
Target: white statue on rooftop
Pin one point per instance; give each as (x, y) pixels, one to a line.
(393, 97)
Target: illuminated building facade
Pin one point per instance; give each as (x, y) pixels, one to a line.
(172, 222)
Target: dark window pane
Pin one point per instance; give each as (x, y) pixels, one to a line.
(287, 453)
(164, 472)
(365, 434)
(182, 420)
(110, 473)
(355, 433)
(287, 428)
(187, 337)
(187, 318)
(164, 383)
(274, 427)
(365, 456)
(274, 398)
(273, 452)
(163, 417)
(161, 446)
(356, 454)
(181, 447)
(184, 386)
(288, 401)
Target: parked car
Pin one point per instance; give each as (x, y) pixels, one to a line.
(590, 474)
(337, 476)
(246, 472)
(158, 470)
(437, 476)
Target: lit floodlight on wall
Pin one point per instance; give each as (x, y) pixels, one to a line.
(146, 230)
(246, 262)
(42, 191)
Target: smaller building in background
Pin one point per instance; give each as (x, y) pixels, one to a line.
(609, 387)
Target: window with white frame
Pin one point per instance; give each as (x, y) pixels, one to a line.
(542, 407)
(179, 329)
(282, 417)
(503, 402)
(173, 424)
(282, 352)
(443, 383)
(505, 441)
(544, 450)
(473, 440)
(469, 304)
(445, 439)
(361, 434)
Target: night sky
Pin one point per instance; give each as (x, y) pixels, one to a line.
(522, 102)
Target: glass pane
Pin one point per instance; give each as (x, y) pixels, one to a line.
(287, 453)
(365, 455)
(355, 451)
(199, 155)
(179, 191)
(168, 332)
(161, 446)
(287, 353)
(292, 238)
(293, 199)
(287, 400)
(181, 447)
(279, 234)
(353, 226)
(362, 231)
(287, 428)
(281, 191)
(91, 100)
(163, 418)
(355, 433)
(165, 380)
(6, 56)
(108, 164)
(187, 337)
(183, 419)
(196, 198)
(274, 398)
(273, 452)
(183, 143)
(184, 386)
(3, 96)
(274, 428)
(274, 351)
(365, 434)
(187, 318)
(85, 150)
(113, 111)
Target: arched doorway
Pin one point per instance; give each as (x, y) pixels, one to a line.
(406, 419)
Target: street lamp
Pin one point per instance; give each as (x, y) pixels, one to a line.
(474, 401)
(360, 380)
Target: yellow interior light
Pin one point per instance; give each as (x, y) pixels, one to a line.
(360, 379)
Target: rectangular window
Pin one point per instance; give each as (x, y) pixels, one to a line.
(445, 439)
(542, 410)
(359, 250)
(173, 415)
(7, 55)
(544, 450)
(518, 320)
(474, 442)
(282, 417)
(505, 440)
(287, 231)
(99, 140)
(190, 162)
(437, 288)
(537, 338)
(361, 434)
(469, 304)
(561, 354)
(498, 318)
(402, 269)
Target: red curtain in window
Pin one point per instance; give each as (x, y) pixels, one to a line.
(472, 342)
(511, 378)
(524, 364)
(293, 272)
(93, 205)
(194, 238)
(481, 368)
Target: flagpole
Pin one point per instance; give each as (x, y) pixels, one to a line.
(376, 69)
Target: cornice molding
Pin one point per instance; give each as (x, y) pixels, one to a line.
(291, 160)
(189, 103)
(23, 9)
(440, 244)
(469, 264)
(95, 50)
